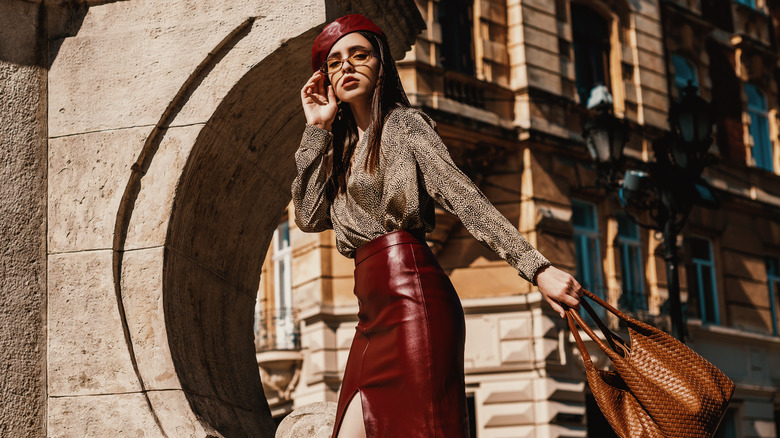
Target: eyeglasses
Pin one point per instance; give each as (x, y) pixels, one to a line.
(358, 57)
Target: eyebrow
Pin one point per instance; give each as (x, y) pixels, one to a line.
(349, 49)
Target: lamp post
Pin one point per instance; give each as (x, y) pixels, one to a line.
(668, 187)
(605, 137)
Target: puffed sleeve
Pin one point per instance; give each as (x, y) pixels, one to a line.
(457, 194)
(312, 209)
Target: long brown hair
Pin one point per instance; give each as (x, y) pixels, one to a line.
(388, 94)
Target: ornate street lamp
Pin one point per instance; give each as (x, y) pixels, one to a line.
(670, 186)
(605, 136)
(691, 120)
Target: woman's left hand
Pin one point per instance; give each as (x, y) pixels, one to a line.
(319, 101)
(558, 287)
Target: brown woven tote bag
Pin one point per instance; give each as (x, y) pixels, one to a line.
(659, 387)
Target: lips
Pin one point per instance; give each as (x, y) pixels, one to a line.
(348, 81)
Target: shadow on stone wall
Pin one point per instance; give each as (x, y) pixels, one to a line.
(230, 198)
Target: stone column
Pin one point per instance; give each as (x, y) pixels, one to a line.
(23, 213)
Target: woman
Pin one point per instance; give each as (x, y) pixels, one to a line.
(370, 167)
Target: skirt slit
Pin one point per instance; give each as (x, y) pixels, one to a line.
(340, 418)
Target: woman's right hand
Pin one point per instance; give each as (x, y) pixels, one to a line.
(559, 287)
(319, 101)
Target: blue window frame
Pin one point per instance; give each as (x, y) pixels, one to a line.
(759, 127)
(631, 269)
(773, 281)
(702, 281)
(586, 246)
(684, 72)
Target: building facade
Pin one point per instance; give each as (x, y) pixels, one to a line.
(507, 82)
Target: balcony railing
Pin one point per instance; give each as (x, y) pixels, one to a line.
(464, 90)
(277, 329)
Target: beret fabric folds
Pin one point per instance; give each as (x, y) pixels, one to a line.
(334, 31)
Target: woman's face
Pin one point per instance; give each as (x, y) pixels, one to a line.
(354, 83)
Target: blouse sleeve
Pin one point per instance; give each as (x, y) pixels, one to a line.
(457, 194)
(312, 209)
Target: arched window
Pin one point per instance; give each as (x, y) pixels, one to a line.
(759, 127)
(590, 31)
(684, 71)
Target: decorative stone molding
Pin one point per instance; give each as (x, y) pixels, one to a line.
(311, 421)
(280, 372)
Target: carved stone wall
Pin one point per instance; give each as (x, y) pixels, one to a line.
(23, 213)
(171, 128)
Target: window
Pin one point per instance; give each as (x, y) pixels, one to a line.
(586, 246)
(702, 295)
(457, 51)
(684, 72)
(471, 404)
(777, 422)
(748, 3)
(719, 13)
(283, 316)
(728, 426)
(632, 273)
(759, 127)
(590, 32)
(773, 280)
(729, 107)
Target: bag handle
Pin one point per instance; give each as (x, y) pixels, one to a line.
(614, 342)
(575, 331)
(607, 306)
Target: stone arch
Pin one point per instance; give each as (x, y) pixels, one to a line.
(232, 192)
(199, 211)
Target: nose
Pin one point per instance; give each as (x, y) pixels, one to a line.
(347, 65)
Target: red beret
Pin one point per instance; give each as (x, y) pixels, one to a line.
(334, 31)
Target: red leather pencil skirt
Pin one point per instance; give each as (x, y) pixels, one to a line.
(406, 359)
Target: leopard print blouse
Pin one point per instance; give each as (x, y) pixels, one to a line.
(415, 169)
